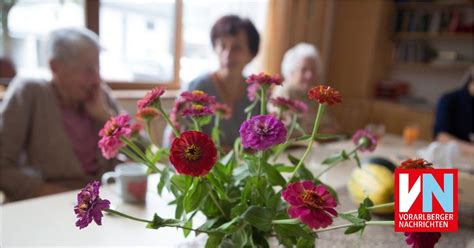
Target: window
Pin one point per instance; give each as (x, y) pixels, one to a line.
(141, 38)
(29, 22)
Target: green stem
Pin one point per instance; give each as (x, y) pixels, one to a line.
(148, 131)
(197, 127)
(126, 215)
(263, 99)
(214, 199)
(286, 221)
(368, 223)
(380, 223)
(385, 205)
(338, 162)
(216, 126)
(167, 119)
(114, 212)
(288, 136)
(313, 135)
(261, 157)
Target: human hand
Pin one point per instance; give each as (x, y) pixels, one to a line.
(96, 105)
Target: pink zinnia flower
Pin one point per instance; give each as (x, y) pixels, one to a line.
(223, 109)
(110, 134)
(288, 104)
(198, 97)
(263, 78)
(152, 98)
(314, 205)
(366, 139)
(89, 205)
(422, 239)
(197, 110)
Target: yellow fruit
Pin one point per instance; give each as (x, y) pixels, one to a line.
(374, 181)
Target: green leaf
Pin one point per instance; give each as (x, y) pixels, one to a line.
(355, 220)
(215, 134)
(333, 159)
(284, 168)
(179, 207)
(155, 223)
(238, 210)
(188, 224)
(208, 224)
(259, 217)
(230, 226)
(163, 180)
(179, 181)
(214, 239)
(195, 196)
(294, 230)
(305, 243)
(353, 229)
(217, 186)
(273, 175)
(304, 137)
(303, 172)
(246, 192)
(239, 238)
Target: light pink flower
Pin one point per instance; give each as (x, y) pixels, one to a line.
(152, 98)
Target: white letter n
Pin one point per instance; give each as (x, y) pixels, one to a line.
(407, 197)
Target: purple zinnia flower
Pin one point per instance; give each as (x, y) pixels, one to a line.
(288, 104)
(422, 239)
(262, 132)
(313, 204)
(89, 205)
(366, 139)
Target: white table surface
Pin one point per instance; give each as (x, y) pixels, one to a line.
(49, 221)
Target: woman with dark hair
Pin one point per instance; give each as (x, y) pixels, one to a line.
(455, 116)
(235, 41)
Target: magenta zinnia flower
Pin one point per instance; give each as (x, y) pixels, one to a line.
(198, 110)
(89, 205)
(422, 239)
(314, 205)
(152, 98)
(198, 97)
(110, 134)
(263, 78)
(366, 139)
(262, 132)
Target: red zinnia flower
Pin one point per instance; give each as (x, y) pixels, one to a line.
(193, 153)
(415, 164)
(422, 239)
(324, 94)
(152, 98)
(263, 78)
(314, 205)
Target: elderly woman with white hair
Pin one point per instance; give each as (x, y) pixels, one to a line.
(302, 69)
(48, 128)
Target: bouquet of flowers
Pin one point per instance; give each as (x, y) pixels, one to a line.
(245, 195)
